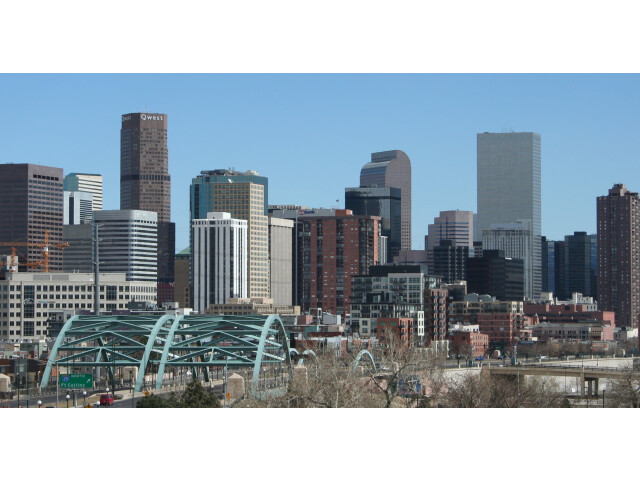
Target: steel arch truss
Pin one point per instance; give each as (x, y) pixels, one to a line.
(363, 353)
(196, 342)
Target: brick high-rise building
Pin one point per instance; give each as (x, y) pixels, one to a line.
(331, 250)
(618, 245)
(145, 184)
(32, 204)
(392, 169)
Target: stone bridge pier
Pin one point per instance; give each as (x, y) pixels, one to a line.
(591, 386)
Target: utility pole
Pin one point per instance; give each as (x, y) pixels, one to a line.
(96, 271)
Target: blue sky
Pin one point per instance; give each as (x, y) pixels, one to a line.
(311, 133)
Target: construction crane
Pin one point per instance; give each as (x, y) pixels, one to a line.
(45, 249)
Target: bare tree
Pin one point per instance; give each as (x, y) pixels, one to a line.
(625, 391)
(483, 391)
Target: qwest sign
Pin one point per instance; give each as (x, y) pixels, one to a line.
(144, 116)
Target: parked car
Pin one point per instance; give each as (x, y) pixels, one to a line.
(479, 359)
(106, 399)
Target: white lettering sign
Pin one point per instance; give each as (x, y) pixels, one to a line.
(144, 116)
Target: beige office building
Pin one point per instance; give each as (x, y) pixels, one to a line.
(244, 196)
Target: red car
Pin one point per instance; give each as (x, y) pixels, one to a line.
(106, 399)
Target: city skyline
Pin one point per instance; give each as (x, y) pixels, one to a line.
(327, 126)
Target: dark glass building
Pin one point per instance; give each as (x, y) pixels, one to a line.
(559, 274)
(577, 267)
(32, 204)
(493, 274)
(548, 265)
(450, 261)
(392, 169)
(383, 202)
(145, 184)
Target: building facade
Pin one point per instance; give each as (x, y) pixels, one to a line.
(383, 202)
(182, 283)
(244, 196)
(394, 291)
(88, 183)
(578, 274)
(33, 208)
(509, 187)
(281, 260)
(218, 259)
(128, 242)
(516, 241)
(392, 169)
(454, 225)
(78, 208)
(450, 261)
(29, 302)
(619, 254)
(548, 265)
(331, 250)
(493, 274)
(145, 184)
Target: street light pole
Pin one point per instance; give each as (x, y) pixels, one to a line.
(603, 392)
(84, 395)
(226, 362)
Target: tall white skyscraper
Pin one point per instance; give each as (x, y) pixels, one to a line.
(509, 187)
(218, 259)
(85, 182)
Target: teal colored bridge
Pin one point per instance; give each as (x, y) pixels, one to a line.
(162, 344)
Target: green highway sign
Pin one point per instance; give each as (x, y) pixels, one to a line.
(76, 380)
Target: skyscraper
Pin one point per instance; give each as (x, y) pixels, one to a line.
(145, 184)
(515, 240)
(78, 207)
(392, 169)
(454, 225)
(244, 196)
(509, 189)
(119, 253)
(618, 247)
(218, 259)
(281, 260)
(32, 204)
(331, 250)
(578, 274)
(85, 182)
(383, 202)
(450, 261)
